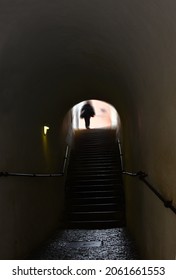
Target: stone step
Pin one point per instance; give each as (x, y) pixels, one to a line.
(95, 207)
(96, 215)
(93, 177)
(94, 199)
(102, 168)
(115, 161)
(99, 181)
(95, 166)
(104, 193)
(94, 156)
(103, 187)
(89, 173)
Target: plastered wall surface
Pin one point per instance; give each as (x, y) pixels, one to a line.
(152, 223)
(56, 54)
(31, 209)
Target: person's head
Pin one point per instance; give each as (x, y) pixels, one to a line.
(89, 102)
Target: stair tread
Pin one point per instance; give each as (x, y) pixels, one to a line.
(95, 212)
(104, 179)
(105, 198)
(95, 204)
(94, 175)
(100, 186)
(94, 221)
(94, 191)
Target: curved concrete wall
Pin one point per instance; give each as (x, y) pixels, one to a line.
(55, 54)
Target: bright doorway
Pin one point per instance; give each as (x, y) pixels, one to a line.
(106, 115)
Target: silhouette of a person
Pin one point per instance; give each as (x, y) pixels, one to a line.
(87, 111)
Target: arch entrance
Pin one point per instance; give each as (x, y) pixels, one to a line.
(106, 116)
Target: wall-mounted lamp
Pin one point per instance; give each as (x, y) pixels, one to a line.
(45, 129)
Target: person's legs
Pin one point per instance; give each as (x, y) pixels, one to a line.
(87, 122)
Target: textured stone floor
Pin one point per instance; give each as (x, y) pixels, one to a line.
(105, 244)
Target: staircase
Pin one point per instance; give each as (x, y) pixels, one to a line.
(94, 192)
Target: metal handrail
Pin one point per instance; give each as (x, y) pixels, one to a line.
(142, 176)
(167, 203)
(121, 154)
(5, 173)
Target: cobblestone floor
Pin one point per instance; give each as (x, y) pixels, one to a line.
(105, 244)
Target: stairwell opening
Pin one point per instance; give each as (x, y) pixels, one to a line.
(95, 197)
(106, 116)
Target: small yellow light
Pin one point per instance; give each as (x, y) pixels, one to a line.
(45, 129)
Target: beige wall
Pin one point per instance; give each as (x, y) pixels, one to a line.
(31, 208)
(55, 55)
(150, 223)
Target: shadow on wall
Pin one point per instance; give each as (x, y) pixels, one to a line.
(106, 116)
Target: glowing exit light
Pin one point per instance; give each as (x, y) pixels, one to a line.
(45, 129)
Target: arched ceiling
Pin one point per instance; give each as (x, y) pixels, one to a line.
(54, 54)
(91, 46)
